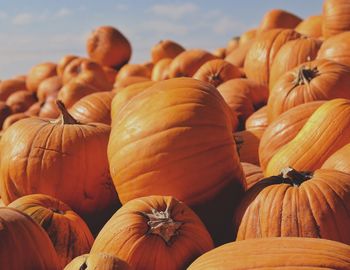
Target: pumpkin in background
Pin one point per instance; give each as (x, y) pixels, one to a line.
(5, 111)
(253, 174)
(127, 81)
(247, 142)
(336, 17)
(238, 55)
(339, 160)
(8, 87)
(165, 49)
(69, 234)
(49, 87)
(258, 119)
(38, 155)
(39, 73)
(34, 109)
(259, 59)
(220, 53)
(161, 69)
(291, 55)
(247, 36)
(320, 137)
(24, 244)
(336, 48)
(49, 108)
(13, 118)
(276, 253)
(165, 234)
(95, 107)
(216, 72)
(63, 62)
(277, 18)
(284, 128)
(188, 62)
(97, 261)
(109, 47)
(111, 74)
(20, 101)
(232, 44)
(133, 70)
(311, 81)
(297, 204)
(311, 26)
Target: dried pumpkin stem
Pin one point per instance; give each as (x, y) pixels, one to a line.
(305, 75)
(294, 177)
(160, 223)
(66, 118)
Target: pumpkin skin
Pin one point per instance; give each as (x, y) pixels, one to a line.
(283, 129)
(320, 137)
(276, 253)
(311, 26)
(95, 107)
(127, 81)
(277, 18)
(232, 44)
(173, 135)
(336, 17)
(220, 53)
(37, 155)
(339, 160)
(247, 142)
(316, 80)
(39, 73)
(49, 109)
(13, 118)
(20, 101)
(188, 62)
(217, 72)
(259, 59)
(165, 49)
(5, 111)
(247, 37)
(133, 70)
(171, 231)
(111, 74)
(63, 62)
(24, 244)
(253, 174)
(69, 234)
(8, 87)
(237, 56)
(336, 48)
(303, 206)
(291, 55)
(49, 87)
(160, 70)
(257, 120)
(109, 47)
(34, 109)
(97, 261)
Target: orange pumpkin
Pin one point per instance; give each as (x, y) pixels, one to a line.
(49, 109)
(34, 109)
(220, 53)
(336, 17)
(49, 87)
(63, 62)
(127, 81)
(69, 234)
(24, 244)
(232, 44)
(5, 111)
(165, 49)
(277, 18)
(160, 70)
(253, 174)
(246, 37)
(111, 74)
(97, 261)
(275, 254)
(8, 87)
(20, 101)
(39, 73)
(133, 70)
(13, 118)
(109, 47)
(217, 72)
(339, 160)
(163, 227)
(258, 119)
(311, 26)
(237, 56)
(247, 142)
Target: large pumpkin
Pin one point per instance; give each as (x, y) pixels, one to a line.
(277, 18)
(300, 204)
(311, 26)
(311, 81)
(336, 17)
(165, 49)
(275, 254)
(97, 261)
(69, 234)
(154, 233)
(61, 158)
(24, 244)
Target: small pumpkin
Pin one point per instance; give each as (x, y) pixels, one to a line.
(220, 52)
(165, 49)
(39, 73)
(247, 142)
(336, 17)
(253, 174)
(5, 111)
(49, 109)
(277, 18)
(258, 119)
(13, 118)
(49, 87)
(238, 55)
(232, 44)
(161, 69)
(8, 87)
(63, 62)
(133, 70)
(128, 81)
(20, 101)
(97, 261)
(311, 26)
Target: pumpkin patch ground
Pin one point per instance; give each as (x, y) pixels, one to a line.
(173, 136)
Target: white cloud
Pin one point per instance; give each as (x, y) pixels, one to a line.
(23, 18)
(165, 27)
(63, 12)
(226, 25)
(174, 11)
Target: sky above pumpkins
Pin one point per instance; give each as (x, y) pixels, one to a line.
(37, 31)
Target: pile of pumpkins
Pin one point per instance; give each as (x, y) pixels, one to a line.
(232, 159)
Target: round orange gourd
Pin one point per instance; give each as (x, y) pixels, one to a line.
(5, 111)
(97, 261)
(311, 26)
(253, 174)
(8, 87)
(277, 18)
(133, 70)
(238, 55)
(336, 17)
(232, 44)
(127, 81)
(220, 52)
(49, 87)
(258, 119)
(160, 70)
(13, 118)
(20, 101)
(165, 49)
(63, 62)
(39, 73)
(247, 142)
(247, 37)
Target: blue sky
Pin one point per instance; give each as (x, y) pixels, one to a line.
(35, 31)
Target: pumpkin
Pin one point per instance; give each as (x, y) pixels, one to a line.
(277, 18)
(24, 244)
(109, 47)
(49, 87)
(39, 73)
(97, 261)
(49, 108)
(165, 49)
(38, 155)
(336, 48)
(276, 253)
(247, 142)
(237, 56)
(111, 74)
(339, 160)
(20, 101)
(69, 234)
(252, 173)
(154, 232)
(305, 204)
(95, 107)
(311, 26)
(283, 129)
(232, 44)
(127, 81)
(188, 62)
(217, 72)
(160, 70)
(291, 55)
(34, 109)
(63, 62)
(220, 53)
(247, 37)
(133, 70)
(336, 17)
(311, 81)
(13, 118)
(258, 119)
(5, 111)
(8, 87)
(259, 59)
(320, 137)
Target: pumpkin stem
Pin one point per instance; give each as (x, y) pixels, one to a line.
(294, 177)
(66, 118)
(57, 211)
(305, 75)
(160, 223)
